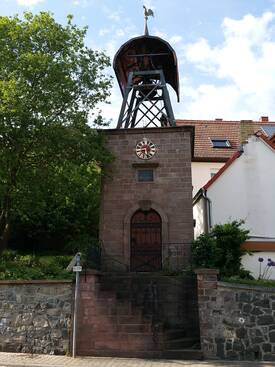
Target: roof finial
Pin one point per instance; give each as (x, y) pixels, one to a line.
(147, 13)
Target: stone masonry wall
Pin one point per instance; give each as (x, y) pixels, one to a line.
(237, 322)
(35, 316)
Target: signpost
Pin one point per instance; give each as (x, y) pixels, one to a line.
(76, 268)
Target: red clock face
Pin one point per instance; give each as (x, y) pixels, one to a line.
(145, 149)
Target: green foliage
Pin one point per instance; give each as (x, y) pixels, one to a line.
(80, 243)
(14, 266)
(221, 248)
(204, 251)
(51, 160)
(259, 282)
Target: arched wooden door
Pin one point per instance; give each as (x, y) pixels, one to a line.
(146, 246)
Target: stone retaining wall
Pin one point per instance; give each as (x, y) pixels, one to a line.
(237, 322)
(35, 316)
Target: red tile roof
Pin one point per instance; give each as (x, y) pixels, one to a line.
(269, 140)
(235, 131)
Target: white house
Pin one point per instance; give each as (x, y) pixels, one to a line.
(216, 141)
(244, 188)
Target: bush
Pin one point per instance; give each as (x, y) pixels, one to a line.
(221, 249)
(14, 266)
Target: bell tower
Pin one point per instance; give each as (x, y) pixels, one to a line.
(144, 66)
(146, 221)
(135, 302)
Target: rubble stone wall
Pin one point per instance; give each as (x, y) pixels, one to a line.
(237, 322)
(35, 316)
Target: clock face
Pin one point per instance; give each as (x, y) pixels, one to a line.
(145, 149)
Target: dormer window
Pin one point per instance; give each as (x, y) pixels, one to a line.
(220, 143)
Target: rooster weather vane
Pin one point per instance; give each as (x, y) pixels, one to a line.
(147, 13)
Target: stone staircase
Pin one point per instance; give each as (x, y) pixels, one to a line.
(119, 316)
(179, 346)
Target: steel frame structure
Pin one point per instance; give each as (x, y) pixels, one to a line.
(146, 101)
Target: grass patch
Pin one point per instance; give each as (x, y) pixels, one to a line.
(260, 282)
(16, 266)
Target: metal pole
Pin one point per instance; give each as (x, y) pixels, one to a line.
(76, 296)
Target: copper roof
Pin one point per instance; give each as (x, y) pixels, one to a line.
(157, 50)
(235, 131)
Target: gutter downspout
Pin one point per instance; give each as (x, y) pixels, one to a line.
(206, 212)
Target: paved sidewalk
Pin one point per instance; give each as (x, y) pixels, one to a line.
(20, 360)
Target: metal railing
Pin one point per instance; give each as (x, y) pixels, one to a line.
(93, 256)
(174, 257)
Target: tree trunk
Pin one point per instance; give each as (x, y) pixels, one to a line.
(5, 226)
(5, 223)
(4, 237)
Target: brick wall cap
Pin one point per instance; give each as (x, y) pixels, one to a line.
(250, 287)
(207, 271)
(171, 129)
(41, 281)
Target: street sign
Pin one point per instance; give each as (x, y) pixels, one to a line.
(77, 268)
(73, 262)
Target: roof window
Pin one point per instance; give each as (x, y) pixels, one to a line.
(220, 143)
(268, 129)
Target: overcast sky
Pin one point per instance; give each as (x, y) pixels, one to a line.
(225, 48)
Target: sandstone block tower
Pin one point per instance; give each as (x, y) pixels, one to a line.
(146, 220)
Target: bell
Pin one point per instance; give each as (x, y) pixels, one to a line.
(148, 93)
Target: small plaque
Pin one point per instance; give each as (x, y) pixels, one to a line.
(77, 268)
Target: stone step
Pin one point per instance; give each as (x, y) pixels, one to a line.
(185, 354)
(123, 315)
(175, 334)
(126, 342)
(102, 293)
(105, 309)
(116, 324)
(119, 302)
(124, 308)
(135, 328)
(106, 298)
(122, 290)
(133, 319)
(108, 324)
(111, 284)
(182, 343)
(119, 336)
(124, 353)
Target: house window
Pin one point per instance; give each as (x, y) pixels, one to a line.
(145, 175)
(220, 143)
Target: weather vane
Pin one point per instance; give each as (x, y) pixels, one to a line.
(147, 13)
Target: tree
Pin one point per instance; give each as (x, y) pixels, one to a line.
(62, 204)
(50, 83)
(221, 248)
